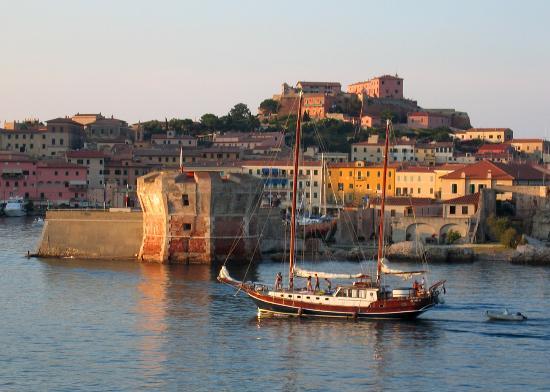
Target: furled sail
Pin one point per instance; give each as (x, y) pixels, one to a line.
(404, 274)
(224, 275)
(302, 273)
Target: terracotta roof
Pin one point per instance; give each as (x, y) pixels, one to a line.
(404, 201)
(268, 163)
(492, 147)
(416, 169)
(449, 166)
(177, 137)
(108, 121)
(487, 129)
(526, 141)
(520, 171)
(367, 143)
(59, 163)
(479, 170)
(499, 171)
(467, 199)
(85, 154)
(10, 156)
(62, 120)
(426, 114)
(334, 84)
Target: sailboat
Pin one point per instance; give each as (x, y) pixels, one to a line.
(363, 298)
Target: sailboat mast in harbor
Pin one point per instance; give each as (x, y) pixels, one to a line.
(382, 207)
(292, 258)
(363, 298)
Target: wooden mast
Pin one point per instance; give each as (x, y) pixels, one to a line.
(292, 260)
(383, 206)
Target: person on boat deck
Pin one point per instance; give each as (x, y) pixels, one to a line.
(278, 281)
(329, 285)
(416, 285)
(317, 286)
(308, 287)
(291, 283)
(422, 283)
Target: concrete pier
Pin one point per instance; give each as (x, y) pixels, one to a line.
(91, 234)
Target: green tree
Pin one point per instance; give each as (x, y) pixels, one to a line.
(452, 236)
(348, 105)
(210, 121)
(502, 230)
(241, 119)
(269, 106)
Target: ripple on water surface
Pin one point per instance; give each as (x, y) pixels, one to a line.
(101, 325)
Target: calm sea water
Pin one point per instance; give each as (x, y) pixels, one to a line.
(97, 325)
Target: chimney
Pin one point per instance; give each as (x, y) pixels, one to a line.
(462, 175)
(489, 174)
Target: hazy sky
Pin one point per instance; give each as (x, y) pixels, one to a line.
(141, 60)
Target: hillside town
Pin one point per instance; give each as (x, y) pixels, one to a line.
(439, 163)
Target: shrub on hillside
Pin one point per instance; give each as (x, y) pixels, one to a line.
(509, 238)
(453, 236)
(502, 230)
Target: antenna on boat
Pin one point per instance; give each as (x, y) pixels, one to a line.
(382, 206)
(292, 258)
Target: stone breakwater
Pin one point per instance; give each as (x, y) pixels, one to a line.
(412, 251)
(531, 254)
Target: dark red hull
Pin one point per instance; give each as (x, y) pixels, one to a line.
(395, 308)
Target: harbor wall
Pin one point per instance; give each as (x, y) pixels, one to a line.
(91, 234)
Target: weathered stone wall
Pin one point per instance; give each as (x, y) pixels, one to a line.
(198, 217)
(91, 234)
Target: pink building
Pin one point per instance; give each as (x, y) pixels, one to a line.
(427, 120)
(52, 182)
(60, 182)
(385, 86)
(17, 176)
(370, 121)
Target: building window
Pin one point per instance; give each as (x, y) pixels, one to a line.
(454, 188)
(452, 210)
(185, 200)
(187, 226)
(464, 210)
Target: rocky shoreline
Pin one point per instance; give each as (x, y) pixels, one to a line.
(410, 251)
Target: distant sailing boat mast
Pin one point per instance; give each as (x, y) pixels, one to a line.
(382, 207)
(292, 257)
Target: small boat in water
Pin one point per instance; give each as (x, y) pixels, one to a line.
(15, 207)
(505, 316)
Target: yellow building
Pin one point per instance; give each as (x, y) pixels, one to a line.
(415, 181)
(494, 135)
(442, 170)
(351, 182)
(485, 174)
(535, 147)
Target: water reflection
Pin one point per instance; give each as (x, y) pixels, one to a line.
(151, 321)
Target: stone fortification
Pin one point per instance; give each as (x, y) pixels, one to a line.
(198, 217)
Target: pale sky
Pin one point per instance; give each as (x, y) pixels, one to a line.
(141, 60)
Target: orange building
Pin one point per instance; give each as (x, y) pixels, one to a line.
(317, 105)
(385, 86)
(350, 183)
(427, 120)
